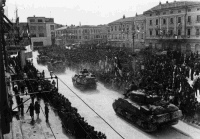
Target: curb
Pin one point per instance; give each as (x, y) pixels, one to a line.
(196, 125)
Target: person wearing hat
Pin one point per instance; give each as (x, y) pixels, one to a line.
(46, 109)
(132, 87)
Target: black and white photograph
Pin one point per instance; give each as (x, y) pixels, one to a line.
(99, 69)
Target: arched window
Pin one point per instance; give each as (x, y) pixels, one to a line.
(188, 48)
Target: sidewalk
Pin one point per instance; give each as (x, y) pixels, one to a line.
(40, 129)
(24, 129)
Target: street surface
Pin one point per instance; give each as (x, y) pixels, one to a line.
(101, 102)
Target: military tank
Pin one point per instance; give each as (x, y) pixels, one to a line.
(56, 66)
(84, 80)
(43, 60)
(149, 112)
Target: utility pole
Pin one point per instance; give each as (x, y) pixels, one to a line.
(133, 48)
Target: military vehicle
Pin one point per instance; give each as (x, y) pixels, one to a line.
(84, 80)
(43, 59)
(57, 66)
(149, 112)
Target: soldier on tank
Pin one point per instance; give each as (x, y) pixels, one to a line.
(132, 87)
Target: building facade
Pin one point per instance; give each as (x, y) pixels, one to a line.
(121, 32)
(42, 31)
(127, 32)
(86, 34)
(174, 26)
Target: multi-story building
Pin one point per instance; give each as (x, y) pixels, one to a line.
(121, 32)
(41, 30)
(174, 25)
(85, 34)
(139, 31)
(127, 32)
(60, 35)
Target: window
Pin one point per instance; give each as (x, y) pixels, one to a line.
(40, 20)
(37, 43)
(164, 32)
(198, 18)
(157, 32)
(179, 11)
(179, 19)
(150, 14)
(188, 32)
(164, 13)
(197, 31)
(189, 19)
(32, 20)
(111, 29)
(52, 34)
(115, 28)
(150, 22)
(171, 12)
(150, 32)
(198, 9)
(171, 32)
(142, 36)
(189, 10)
(179, 32)
(40, 28)
(127, 27)
(33, 35)
(41, 34)
(32, 27)
(156, 21)
(52, 27)
(171, 20)
(164, 21)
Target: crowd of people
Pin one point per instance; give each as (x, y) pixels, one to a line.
(71, 120)
(168, 75)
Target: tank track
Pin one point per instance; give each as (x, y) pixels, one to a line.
(147, 126)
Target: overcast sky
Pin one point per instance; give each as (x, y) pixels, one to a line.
(88, 12)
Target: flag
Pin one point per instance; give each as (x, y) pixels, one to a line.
(27, 32)
(118, 66)
(138, 28)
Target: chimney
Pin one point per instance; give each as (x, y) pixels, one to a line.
(167, 2)
(159, 3)
(123, 16)
(136, 14)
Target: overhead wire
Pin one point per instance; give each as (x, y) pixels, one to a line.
(90, 107)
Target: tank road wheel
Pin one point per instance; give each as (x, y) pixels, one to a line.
(174, 122)
(151, 127)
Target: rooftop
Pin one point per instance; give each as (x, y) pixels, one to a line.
(172, 5)
(124, 19)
